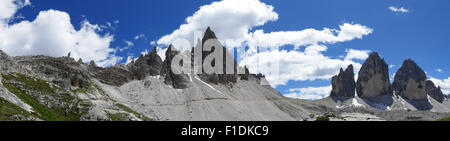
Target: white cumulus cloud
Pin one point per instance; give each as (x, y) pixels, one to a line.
(9, 7)
(398, 9)
(230, 19)
(346, 32)
(357, 54)
(281, 66)
(311, 93)
(52, 33)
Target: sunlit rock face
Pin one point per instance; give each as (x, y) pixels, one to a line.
(373, 79)
(410, 81)
(344, 83)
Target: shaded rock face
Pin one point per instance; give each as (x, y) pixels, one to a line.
(178, 81)
(434, 92)
(344, 83)
(113, 76)
(63, 71)
(410, 81)
(246, 74)
(373, 79)
(217, 78)
(149, 64)
(6, 62)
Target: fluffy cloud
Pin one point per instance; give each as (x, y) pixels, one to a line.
(439, 70)
(52, 33)
(444, 84)
(310, 93)
(240, 15)
(346, 32)
(398, 9)
(281, 66)
(9, 7)
(357, 54)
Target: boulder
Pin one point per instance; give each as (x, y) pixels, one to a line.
(343, 84)
(410, 81)
(373, 78)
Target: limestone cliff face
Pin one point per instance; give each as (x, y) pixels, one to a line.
(410, 81)
(343, 84)
(218, 78)
(179, 81)
(146, 65)
(435, 92)
(373, 79)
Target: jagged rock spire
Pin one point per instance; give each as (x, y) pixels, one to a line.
(92, 64)
(178, 81)
(410, 81)
(146, 65)
(80, 61)
(373, 78)
(344, 83)
(209, 34)
(435, 93)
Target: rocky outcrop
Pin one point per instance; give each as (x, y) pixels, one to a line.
(6, 62)
(343, 84)
(217, 78)
(373, 79)
(246, 74)
(434, 92)
(410, 81)
(63, 71)
(178, 81)
(115, 76)
(147, 65)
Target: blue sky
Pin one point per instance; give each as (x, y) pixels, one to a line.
(420, 33)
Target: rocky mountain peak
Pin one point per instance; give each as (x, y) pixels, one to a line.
(343, 84)
(92, 64)
(435, 93)
(373, 78)
(209, 34)
(178, 81)
(218, 78)
(410, 81)
(147, 65)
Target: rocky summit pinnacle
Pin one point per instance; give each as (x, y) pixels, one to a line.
(373, 79)
(178, 81)
(410, 81)
(148, 64)
(216, 78)
(209, 34)
(344, 83)
(435, 92)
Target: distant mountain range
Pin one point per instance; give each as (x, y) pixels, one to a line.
(62, 89)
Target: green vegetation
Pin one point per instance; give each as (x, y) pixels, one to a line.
(129, 110)
(8, 110)
(117, 116)
(444, 119)
(322, 118)
(23, 87)
(79, 90)
(216, 98)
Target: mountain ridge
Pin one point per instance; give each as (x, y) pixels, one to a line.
(60, 88)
